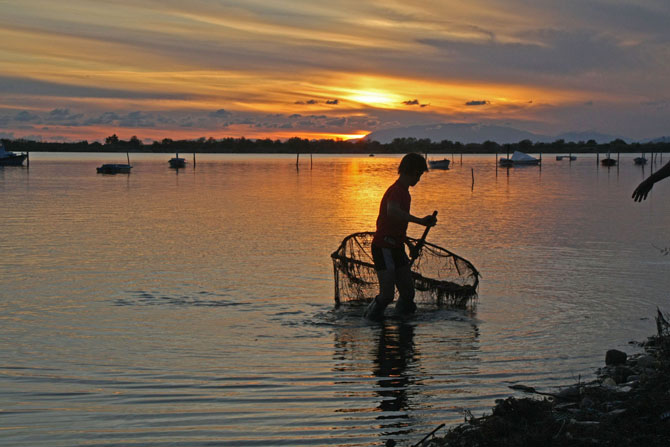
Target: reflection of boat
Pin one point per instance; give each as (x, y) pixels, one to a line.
(640, 161)
(115, 168)
(519, 159)
(439, 164)
(11, 158)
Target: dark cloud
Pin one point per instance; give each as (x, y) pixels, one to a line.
(411, 102)
(221, 113)
(24, 86)
(477, 103)
(333, 101)
(25, 117)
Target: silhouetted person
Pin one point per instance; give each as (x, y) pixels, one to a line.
(643, 188)
(388, 246)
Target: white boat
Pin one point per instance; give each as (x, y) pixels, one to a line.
(11, 158)
(519, 159)
(439, 164)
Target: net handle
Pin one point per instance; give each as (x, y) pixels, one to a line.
(419, 244)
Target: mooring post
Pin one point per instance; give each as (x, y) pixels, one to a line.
(473, 178)
(310, 161)
(194, 159)
(461, 157)
(28, 159)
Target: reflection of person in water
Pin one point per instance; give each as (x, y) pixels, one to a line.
(395, 351)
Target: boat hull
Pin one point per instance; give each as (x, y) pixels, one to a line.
(114, 169)
(13, 160)
(439, 164)
(177, 162)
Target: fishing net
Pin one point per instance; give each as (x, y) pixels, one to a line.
(440, 276)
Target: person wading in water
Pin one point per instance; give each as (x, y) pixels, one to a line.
(392, 265)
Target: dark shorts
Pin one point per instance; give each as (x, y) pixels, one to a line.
(389, 258)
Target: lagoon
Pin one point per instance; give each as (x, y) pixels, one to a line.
(195, 307)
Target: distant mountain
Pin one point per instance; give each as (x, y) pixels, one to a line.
(586, 136)
(659, 140)
(479, 133)
(461, 132)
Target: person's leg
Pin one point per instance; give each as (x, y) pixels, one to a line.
(386, 274)
(405, 285)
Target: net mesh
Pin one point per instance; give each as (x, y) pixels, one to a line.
(440, 276)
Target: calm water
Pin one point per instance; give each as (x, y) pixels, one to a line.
(196, 308)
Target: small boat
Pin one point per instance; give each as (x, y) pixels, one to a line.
(439, 164)
(115, 168)
(559, 157)
(640, 161)
(177, 162)
(608, 162)
(11, 158)
(519, 159)
(569, 157)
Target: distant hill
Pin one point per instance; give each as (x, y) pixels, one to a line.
(479, 133)
(659, 140)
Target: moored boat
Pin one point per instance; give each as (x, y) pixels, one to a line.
(439, 164)
(519, 159)
(113, 168)
(11, 158)
(177, 162)
(640, 161)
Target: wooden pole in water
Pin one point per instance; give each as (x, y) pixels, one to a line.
(473, 178)
(28, 159)
(297, 159)
(128, 158)
(461, 157)
(194, 159)
(310, 161)
(597, 158)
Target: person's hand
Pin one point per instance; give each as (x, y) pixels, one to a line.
(642, 190)
(428, 221)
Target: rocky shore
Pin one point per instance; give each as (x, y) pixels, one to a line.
(627, 405)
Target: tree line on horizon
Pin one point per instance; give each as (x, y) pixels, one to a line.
(298, 145)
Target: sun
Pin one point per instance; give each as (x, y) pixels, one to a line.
(374, 98)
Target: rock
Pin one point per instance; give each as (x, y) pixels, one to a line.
(609, 382)
(614, 357)
(586, 404)
(646, 361)
(621, 374)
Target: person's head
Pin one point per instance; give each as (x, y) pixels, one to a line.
(411, 167)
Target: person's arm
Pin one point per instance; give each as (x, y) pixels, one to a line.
(393, 210)
(643, 188)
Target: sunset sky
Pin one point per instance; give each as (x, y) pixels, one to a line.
(84, 69)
